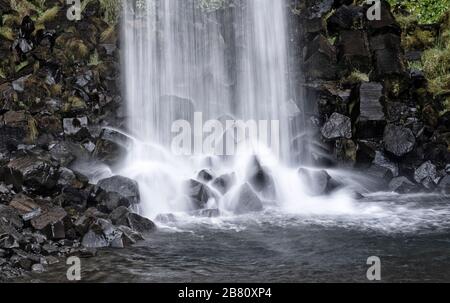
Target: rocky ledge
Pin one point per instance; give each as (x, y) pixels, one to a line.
(59, 89)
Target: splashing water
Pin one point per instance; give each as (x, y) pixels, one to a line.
(180, 59)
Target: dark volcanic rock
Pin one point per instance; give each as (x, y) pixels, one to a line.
(426, 174)
(398, 140)
(37, 174)
(224, 183)
(260, 179)
(444, 184)
(371, 119)
(402, 185)
(382, 160)
(199, 194)
(337, 126)
(247, 200)
(317, 182)
(123, 216)
(353, 50)
(125, 188)
(320, 59)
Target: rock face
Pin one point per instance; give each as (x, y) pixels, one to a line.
(338, 126)
(398, 140)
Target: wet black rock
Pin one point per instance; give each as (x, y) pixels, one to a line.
(199, 194)
(317, 182)
(378, 173)
(110, 147)
(398, 140)
(444, 184)
(247, 200)
(103, 233)
(371, 120)
(74, 125)
(382, 160)
(337, 126)
(260, 179)
(320, 58)
(124, 187)
(402, 185)
(123, 216)
(36, 174)
(205, 175)
(224, 182)
(426, 174)
(353, 50)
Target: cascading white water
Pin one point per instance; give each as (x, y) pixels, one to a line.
(181, 58)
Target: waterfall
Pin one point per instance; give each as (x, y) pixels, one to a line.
(187, 61)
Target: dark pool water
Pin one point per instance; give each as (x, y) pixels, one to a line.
(410, 234)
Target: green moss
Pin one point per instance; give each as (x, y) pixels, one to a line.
(355, 77)
(7, 33)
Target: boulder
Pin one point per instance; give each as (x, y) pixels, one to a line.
(224, 182)
(122, 216)
(402, 185)
(317, 182)
(260, 179)
(73, 125)
(388, 54)
(49, 217)
(382, 160)
(110, 147)
(320, 59)
(371, 119)
(398, 140)
(103, 233)
(444, 184)
(425, 173)
(26, 207)
(345, 17)
(247, 200)
(337, 126)
(36, 174)
(379, 173)
(353, 51)
(205, 175)
(124, 187)
(199, 194)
